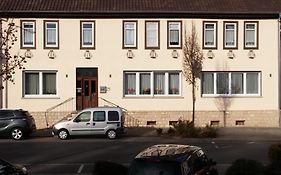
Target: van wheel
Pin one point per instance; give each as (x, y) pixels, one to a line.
(17, 133)
(63, 134)
(111, 134)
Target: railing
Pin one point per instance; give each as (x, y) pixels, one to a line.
(129, 120)
(65, 107)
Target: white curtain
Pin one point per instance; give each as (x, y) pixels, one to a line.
(87, 34)
(222, 83)
(159, 83)
(237, 83)
(49, 83)
(209, 34)
(31, 83)
(229, 35)
(130, 83)
(252, 83)
(152, 34)
(145, 83)
(129, 34)
(51, 34)
(208, 83)
(174, 34)
(28, 34)
(173, 83)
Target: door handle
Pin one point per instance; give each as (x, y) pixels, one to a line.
(94, 124)
(87, 123)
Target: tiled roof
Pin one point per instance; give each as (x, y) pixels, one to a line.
(141, 6)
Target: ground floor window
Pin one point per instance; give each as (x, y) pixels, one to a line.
(152, 83)
(230, 83)
(39, 83)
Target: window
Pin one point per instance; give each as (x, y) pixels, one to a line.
(99, 116)
(113, 116)
(83, 117)
(40, 83)
(174, 34)
(51, 33)
(230, 83)
(152, 35)
(209, 35)
(230, 35)
(160, 83)
(87, 34)
(251, 35)
(129, 34)
(28, 34)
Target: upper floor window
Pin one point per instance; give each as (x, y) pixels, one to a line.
(152, 40)
(87, 36)
(129, 34)
(51, 34)
(230, 83)
(251, 35)
(39, 83)
(209, 35)
(174, 34)
(230, 35)
(28, 34)
(158, 83)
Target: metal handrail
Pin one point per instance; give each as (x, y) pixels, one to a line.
(54, 107)
(113, 104)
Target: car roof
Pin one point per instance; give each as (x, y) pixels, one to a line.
(171, 152)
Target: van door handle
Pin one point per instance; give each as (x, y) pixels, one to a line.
(87, 123)
(94, 124)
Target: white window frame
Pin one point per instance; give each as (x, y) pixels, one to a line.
(82, 34)
(152, 94)
(56, 45)
(255, 46)
(23, 45)
(134, 45)
(169, 33)
(235, 33)
(229, 85)
(206, 46)
(157, 33)
(40, 95)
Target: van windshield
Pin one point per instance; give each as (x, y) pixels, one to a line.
(154, 167)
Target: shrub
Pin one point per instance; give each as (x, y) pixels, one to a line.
(159, 131)
(245, 167)
(185, 128)
(171, 131)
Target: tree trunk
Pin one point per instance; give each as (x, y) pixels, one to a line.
(193, 102)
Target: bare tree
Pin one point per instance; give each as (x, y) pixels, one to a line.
(192, 63)
(9, 62)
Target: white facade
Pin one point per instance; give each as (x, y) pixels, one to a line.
(112, 63)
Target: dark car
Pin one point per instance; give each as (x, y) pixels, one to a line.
(10, 169)
(172, 160)
(17, 123)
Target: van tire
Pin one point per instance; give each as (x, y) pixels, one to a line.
(63, 134)
(111, 134)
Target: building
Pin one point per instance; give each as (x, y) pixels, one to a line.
(129, 53)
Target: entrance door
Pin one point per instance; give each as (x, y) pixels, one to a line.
(87, 94)
(86, 88)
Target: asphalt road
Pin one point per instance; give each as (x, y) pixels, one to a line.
(49, 155)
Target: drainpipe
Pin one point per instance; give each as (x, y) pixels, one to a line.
(279, 67)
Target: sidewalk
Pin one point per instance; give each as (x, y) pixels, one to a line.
(223, 133)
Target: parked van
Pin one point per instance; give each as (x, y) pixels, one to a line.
(93, 121)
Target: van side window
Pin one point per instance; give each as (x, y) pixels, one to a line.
(99, 116)
(113, 116)
(83, 117)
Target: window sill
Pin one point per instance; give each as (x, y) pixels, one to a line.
(153, 97)
(40, 97)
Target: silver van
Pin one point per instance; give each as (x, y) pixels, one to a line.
(93, 121)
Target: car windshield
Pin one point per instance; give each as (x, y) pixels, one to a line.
(154, 167)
